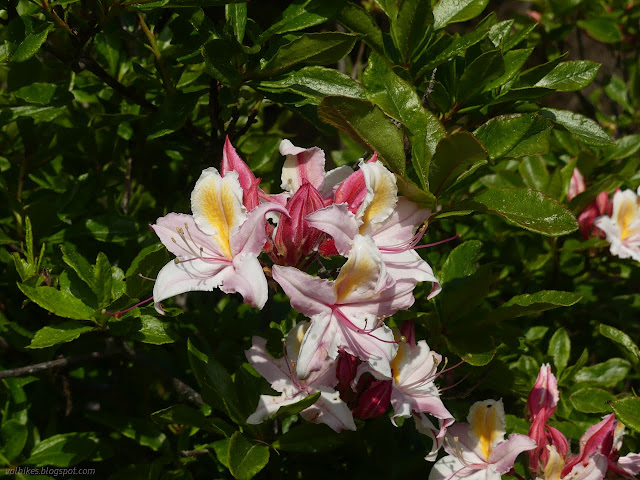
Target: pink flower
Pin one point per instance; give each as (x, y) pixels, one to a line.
(622, 227)
(218, 246)
(328, 409)
(478, 450)
(374, 400)
(576, 184)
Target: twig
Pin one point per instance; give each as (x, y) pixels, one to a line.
(251, 119)
(162, 66)
(193, 453)
(54, 364)
(358, 63)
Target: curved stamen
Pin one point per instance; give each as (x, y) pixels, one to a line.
(343, 318)
(116, 314)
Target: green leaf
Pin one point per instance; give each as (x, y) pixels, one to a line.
(414, 193)
(295, 408)
(111, 228)
(513, 136)
(315, 83)
(357, 20)
(311, 438)
(300, 15)
(184, 415)
(529, 304)
(625, 147)
(582, 127)
(147, 263)
(409, 28)
(14, 437)
(570, 76)
(607, 373)
(145, 329)
(60, 303)
(142, 431)
(60, 333)
(80, 265)
(560, 348)
(461, 262)
(399, 100)
(534, 173)
(455, 157)
(482, 70)
(591, 400)
(602, 29)
(622, 339)
(173, 113)
(25, 35)
(236, 15)
(525, 208)
(217, 387)
(311, 48)
(368, 126)
(513, 61)
(44, 94)
(246, 459)
(64, 450)
(103, 279)
(218, 57)
(628, 412)
(453, 11)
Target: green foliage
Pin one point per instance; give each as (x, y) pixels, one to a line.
(110, 111)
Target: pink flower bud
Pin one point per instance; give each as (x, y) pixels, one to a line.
(295, 239)
(375, 400)
(346, 369)
(597, 439)
(544, 396)
(353, 190)
(231, 161)
(535, 16)
(576, 184)
(408, 331)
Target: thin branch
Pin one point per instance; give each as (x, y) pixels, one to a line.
(193, 453)
(162, 66)
(251, 119)
(358, 63)
(54, 364)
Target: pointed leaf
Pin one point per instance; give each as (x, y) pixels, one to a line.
(58, 302)
(246, 459)
(60, 333)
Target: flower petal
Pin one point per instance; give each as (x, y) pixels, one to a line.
(309, 295)
(400, 226)
(337, 221)
(301, 165)
(332, 179)
(269, 405)
(247, 278)
(487, 423)
(179, 233)
(376, 347)
(504, 454)
(451, 468)
(381, 198)
(630, 463)
(231, 161)
(251, 236)
(176, 278)
(276, 371)
(330, 410)
(321, 339)
(217, 206)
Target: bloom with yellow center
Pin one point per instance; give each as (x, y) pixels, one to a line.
(622, 228)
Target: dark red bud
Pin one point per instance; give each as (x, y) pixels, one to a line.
(375, 400)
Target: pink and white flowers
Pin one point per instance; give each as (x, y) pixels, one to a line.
(622, 228)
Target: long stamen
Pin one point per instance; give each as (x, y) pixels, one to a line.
(439, 242)
(455, 384)
(146, 278)
(130, 308)
(356, 329)
(293, 377)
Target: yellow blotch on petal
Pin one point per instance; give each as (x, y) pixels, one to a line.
(625, 216)
(217, 207)
(382, 184)
(553, 469)
(398, 360)
(487, 424)
(360, 273)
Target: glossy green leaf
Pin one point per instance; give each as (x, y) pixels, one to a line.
(606, 373)
(399, 100)
(173, 113)
(79, 264)
(143, 328)
(591, 400)
(357, 20)
(414, 193)
(60, 333)
(103, 279)
(44, 94)
(582, 127)
(602, 29)
(295, 408)
(368, 126)
(482, 70)
(25, 35)
(236, 14)
(453, 11)
(147, 263)
(454, 157)
(627, 410)
(461, 262)
(560, 348)
(217, 387)
(529, 304)
(310, 48)
(14, 437)
(622, 339)
(58, 302)
(512, 136)
(63, 450)
(246, 459)
(302, 14)
(528, 209)
(570, 76)
(410, 26)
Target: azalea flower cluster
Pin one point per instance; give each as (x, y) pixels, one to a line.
(617, 220)
(345, 351)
